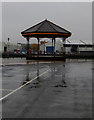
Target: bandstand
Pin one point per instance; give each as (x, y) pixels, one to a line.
(46, 29)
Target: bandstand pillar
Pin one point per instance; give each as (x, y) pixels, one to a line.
(38, 48)
(64, 50)
(54, 47)
(27, 46)
(64, 42)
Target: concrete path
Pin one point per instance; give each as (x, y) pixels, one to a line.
(47, 90)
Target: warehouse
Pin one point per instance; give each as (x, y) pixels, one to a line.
(78, 47)
(69, 48)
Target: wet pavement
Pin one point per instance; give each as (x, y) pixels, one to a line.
(47, 90)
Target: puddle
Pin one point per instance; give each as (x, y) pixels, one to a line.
(25, 83)
(36, 86)
(57, 91)
(60, 86)
(36, 83)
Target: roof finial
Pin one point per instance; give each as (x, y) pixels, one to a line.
(46, 19)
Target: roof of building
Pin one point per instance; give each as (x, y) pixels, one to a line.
(80, 45)
(46, 29)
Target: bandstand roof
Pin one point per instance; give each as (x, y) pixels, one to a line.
(46, 29)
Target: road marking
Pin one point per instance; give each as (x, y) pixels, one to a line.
(24, 63)
(5, 90)
(22, 86)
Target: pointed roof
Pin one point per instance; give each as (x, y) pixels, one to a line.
(46, 29)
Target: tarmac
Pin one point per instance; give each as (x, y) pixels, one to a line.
(46, 89)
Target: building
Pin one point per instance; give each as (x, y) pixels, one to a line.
(69, 48)
(49, 48)
(9, 47)
(79, 47)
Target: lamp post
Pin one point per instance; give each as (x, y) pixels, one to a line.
(8, 44)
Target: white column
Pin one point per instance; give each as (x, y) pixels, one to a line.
(38, 47)
(64, 42)
(78, 49)
(52, 45)
(44, 47)
(27, 45)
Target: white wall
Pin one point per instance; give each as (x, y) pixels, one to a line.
(10, 46)
(58, 45)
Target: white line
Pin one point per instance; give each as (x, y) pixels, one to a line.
(23, 86)
(4, 64)
(5, 90)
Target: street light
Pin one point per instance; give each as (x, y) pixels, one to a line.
(8, 43)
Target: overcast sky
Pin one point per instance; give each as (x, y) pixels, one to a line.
(73, 16)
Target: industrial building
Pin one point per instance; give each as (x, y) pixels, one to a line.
(9, 47)
(79, 47)
(69, 48)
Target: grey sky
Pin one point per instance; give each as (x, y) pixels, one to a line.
(73, 16)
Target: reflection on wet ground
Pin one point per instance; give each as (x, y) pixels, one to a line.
(64, 91)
